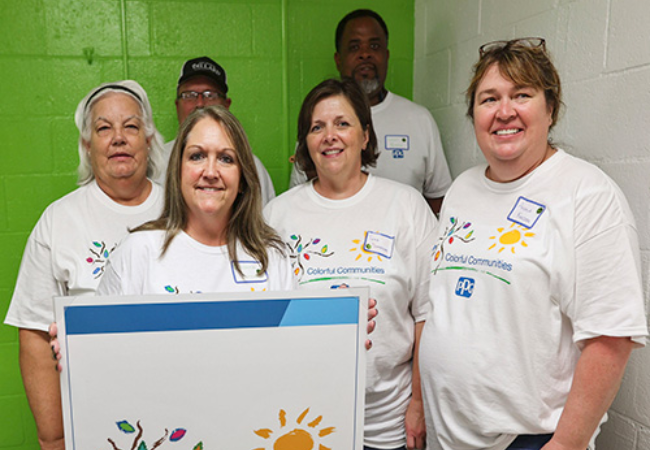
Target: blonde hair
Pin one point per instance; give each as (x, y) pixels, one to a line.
(246, 225)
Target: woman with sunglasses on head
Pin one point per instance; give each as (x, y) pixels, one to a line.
(536, 291)
(120, 152)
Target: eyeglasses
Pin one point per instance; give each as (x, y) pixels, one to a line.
(208, 96)
(530, 42)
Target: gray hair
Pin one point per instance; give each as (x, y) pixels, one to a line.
(83, 119)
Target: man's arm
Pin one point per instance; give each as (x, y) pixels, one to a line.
(596, 381)
(416, 429)
(435, 204)
(41, 382)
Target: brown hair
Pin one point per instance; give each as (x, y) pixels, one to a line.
(246, 224)
(524, 66)
(350, 90)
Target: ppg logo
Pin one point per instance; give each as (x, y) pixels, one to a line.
(465, 287)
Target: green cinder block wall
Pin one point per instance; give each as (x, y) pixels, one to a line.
(52, 52)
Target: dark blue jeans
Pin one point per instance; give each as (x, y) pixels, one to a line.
(530, 441)
(372, 448)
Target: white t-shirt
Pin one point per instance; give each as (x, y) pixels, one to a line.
(410, 150)
(67, 251)
(188, 267)
(266, 184)
(524, 273)
(381, 238)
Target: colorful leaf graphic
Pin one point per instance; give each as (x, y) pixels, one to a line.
(142, 446)
(198, 446)
(324, 249)
(316, 241)
(105, 253)
(89, 260)
(125, 426)
(97, 244)
(177, 434)
(169, 289)
(307, 256)
(294, 237)
(96, 270)
(299, 248)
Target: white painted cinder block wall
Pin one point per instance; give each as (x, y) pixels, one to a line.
(602, 51)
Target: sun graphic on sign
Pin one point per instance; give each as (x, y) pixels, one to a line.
(363, 249)
(302, 437)
(509, 237)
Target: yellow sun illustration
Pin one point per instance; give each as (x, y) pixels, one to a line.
(511, 236)
(362, 250)
(300, 438)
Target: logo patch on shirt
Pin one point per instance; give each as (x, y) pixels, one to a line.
(398, 144)
(252, 271)
(526, 212)
(465, 287)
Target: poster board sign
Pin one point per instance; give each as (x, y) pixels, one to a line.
(249, 371)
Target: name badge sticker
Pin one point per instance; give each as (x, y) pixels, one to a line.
(526, 212)
(379, 244)
(396, 142)
(251, 270)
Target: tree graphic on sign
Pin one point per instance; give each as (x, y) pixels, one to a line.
(140, 444)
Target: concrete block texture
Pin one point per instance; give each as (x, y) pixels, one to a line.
(496, 14)
(618, 433)
(628, 35)
(8, 335)
(25, 19)
(12, 432)
(600, 121)
(72, 26)
(585, 32)
(450, 23)
(175, 30)
(601, 50)
(21, 141)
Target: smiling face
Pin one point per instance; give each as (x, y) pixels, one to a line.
(118, 147)
(336, 139)
(511, 125)
(363, 55)
(210, 175)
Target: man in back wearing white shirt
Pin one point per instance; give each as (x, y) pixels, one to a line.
(202, 82)
(407, 136)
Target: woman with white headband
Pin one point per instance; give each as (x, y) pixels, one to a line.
(119, 152)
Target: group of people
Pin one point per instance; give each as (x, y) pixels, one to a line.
(501, 325)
